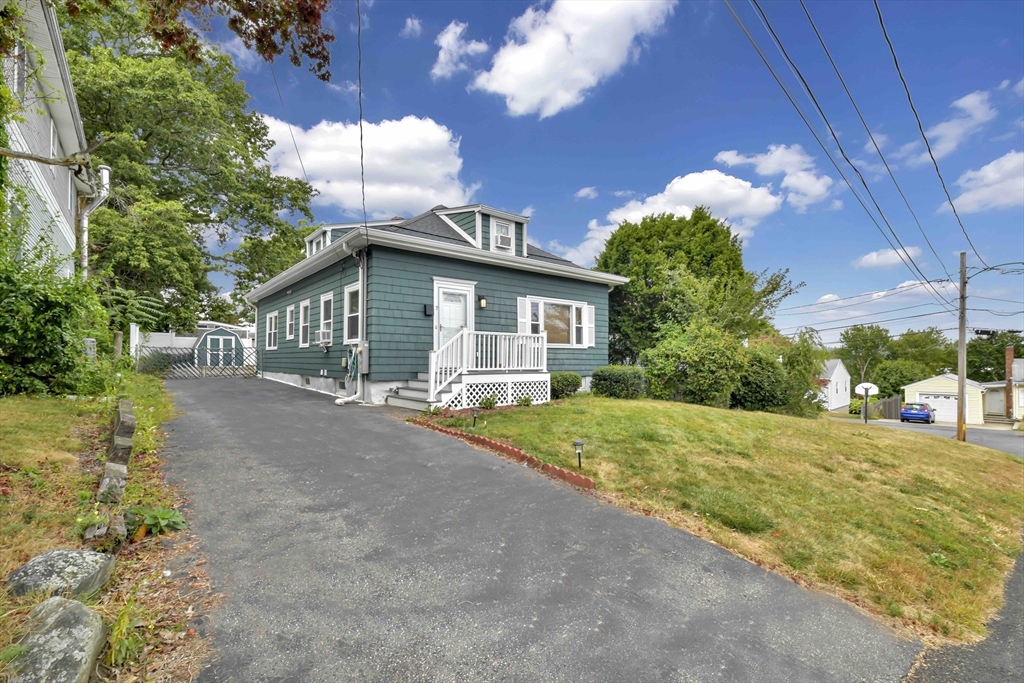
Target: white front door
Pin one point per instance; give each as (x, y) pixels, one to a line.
(453, 311)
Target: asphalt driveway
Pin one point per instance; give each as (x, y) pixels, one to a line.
(1004, 440)
(353, 546)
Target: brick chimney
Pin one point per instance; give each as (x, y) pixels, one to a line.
(1009, 381)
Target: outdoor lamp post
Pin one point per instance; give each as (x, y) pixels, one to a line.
(579, 453)
(476, 411)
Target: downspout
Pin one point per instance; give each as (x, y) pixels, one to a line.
(358, 396)
(103, 191)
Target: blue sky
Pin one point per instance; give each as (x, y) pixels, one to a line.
(662, 106)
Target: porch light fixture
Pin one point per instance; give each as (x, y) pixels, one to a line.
(482, 300)
(476, 411)
(579, 452)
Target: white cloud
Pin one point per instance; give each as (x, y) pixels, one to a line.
(1004, 84)
(836, 205)
(975, 112)
(552, 58)
(728, 197)
(884, 258)
(244, 58)
(411, 164)
(800, 176)
(528, 211)
(412, 28)
(880, 139)
(345, 88)
(1019, 88)
(623, 193)
(451, 58)
(586, 193)
(996, 185)
(826, 298)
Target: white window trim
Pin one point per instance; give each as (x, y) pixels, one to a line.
(277, 331)
(354, 287)
(511, 232)
(329, 296)
(289, 322)
(572, 320)
(304, 305)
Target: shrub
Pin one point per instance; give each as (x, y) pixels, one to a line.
(525, 401)
(565, 384)
(618, 381)
(855, 404)
(763, 382)
(700, 364)
(489, 402)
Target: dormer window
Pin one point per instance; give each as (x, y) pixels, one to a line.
(501, 236)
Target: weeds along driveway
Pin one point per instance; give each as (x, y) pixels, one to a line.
(353, 546)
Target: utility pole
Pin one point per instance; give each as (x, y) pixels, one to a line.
(961, 360)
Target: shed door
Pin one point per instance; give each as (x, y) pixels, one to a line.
(220, 351)
(944, 405)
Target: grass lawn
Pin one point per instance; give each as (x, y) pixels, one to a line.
(918, 530)
(52, 452)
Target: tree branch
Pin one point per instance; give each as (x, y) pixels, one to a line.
(76, 159)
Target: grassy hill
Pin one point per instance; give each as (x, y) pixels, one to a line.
(917, 529)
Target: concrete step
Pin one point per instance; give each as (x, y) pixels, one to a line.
(999, 420)
(421, 384)
(423, 376)
(409, 392)
(404, 402)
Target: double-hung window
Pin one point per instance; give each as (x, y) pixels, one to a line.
(568, 324)
(352, 310)
(272, 331)
(289, 322)
(304, 324)
(326, 318)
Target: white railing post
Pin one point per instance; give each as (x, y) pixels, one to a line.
(431, 378)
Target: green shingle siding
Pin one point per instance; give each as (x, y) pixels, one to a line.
(465, 220)
(288, 357)
(485, 228)
(520, 249)
(338, 233)
(400, 283)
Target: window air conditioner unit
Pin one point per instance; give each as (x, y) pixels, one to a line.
(504, 241)
(324, 336)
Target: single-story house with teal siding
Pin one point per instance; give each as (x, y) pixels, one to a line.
(442, 309)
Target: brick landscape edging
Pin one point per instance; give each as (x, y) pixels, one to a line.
(516, 454)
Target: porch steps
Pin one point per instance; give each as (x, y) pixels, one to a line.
(999, 420)
(414, 394)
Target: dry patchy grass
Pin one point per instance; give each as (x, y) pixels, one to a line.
(50, 462)
(918, 530)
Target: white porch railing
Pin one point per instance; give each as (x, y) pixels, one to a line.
(470, 351)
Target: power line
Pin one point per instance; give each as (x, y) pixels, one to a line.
(359, 77)
(991, 298)
(871, 135)
(817, 138)
(902, 251)
(1001, 313)
(875, 322)
(880, 294)
(868, 315)
(920, 127)
(287, 122)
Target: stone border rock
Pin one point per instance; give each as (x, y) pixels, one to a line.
(115, 474)
(516, 454)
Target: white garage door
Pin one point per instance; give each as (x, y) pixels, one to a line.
(944, 405)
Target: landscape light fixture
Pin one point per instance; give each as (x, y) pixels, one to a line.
(482, 300)
(579, 453)
(476, 411)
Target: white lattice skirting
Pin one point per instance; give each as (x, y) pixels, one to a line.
(506, 389)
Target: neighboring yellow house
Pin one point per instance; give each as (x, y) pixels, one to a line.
(940, 392)
(995, 394)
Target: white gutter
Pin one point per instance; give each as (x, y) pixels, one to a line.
(102, 192)
(359, 238)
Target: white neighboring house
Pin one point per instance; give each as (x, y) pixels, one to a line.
(51, 128)
(835, 385)
(995, 394)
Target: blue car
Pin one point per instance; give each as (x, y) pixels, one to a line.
(917, 412)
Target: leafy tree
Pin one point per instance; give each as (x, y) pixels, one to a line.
(802, 358)
(188, 158)
(269, 27)
(863, 345)
(699, 364)
(763, 382)
(930, 347)
(986, 355)
(892, 375)
(679, 269)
